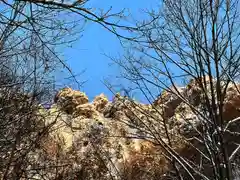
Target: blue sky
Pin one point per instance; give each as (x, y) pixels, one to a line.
(87, 52)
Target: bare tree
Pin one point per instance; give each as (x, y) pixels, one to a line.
(31, 36)
(198, 40)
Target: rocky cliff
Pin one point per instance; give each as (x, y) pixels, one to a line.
(124, 139)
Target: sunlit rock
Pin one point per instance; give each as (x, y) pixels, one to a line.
(69, 99)
(125, 138)
(100, 102)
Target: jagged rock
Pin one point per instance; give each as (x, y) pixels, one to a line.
(69, 99)
(196, 81)
(185, 121)
(118, 139)
(89, 133)
(231, 103)
(231, 107)
(100, 102)
(194, 95)
(194, 91)
(86, 110)
(119, 103)
(168, 101)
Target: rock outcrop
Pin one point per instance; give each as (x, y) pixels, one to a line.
(69, 99)
(124, 139)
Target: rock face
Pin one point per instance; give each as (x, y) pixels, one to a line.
(123, 139)
(69, 99)
(169, 101)
(231, 107)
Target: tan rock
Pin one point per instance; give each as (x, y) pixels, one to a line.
(117, 133)
(68, 99)
(100, 102)
(195, 82)
(231, 107)
(168, 101)
(86, 110)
